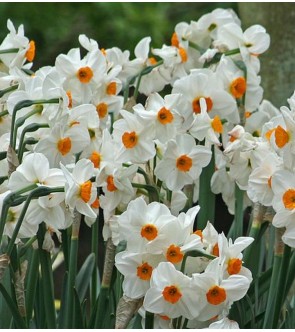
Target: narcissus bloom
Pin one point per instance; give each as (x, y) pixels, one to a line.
(283, 186)
(203, 83)
(35, 170)
(134, 138)
(79, 190)
(141, 224)
(260, 180)
(137, 269)
(62, 143)
(216, 293)
(163, 115)
(182, 162)
(206, 128)
(171, 293)
(117, 187)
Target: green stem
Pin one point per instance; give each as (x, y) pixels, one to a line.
(154, 195)
(47, 280)
(149, 320)
(17, 319)
(206, 197)
(39, 191)
(7, 90)
(4, 112)
(273, 289)
(94, 249)
(27, 245)
(31, 284)
(239, 212)
(196, 47)
(28, 141)
(30, 128)
(144, 71)
(23, 104)
(9, 50)
(279, 300)
(232, 52)
(72, 270)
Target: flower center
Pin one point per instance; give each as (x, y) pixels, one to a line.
(269, 181)
(112, 88)
(95, 204)
(85, 74)
(199, 233)
(183, 54)
(289, 199)
(174, 254)
(129, 139)
(149, 232)
(64, 145)
(216, 124)
(30, 54)
(184, 163)
(234, 266)
(238, 87)
(69, 94)
(216, 295)
(281, 137)
(197, 107)
(95, 158)
(165, 116)
(102, 110)
(144, 271)
(10, 216)
(174, 40)
(152, 61)
(85, 191)
(171, 294)
(215, 250)
(110, 184)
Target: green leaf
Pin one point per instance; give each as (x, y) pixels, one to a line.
(5, 313)
(78, 315)
(83, 277)
(19, 322)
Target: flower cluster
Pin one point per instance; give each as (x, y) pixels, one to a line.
(77, 130)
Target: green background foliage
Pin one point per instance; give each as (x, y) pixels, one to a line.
(55, 27)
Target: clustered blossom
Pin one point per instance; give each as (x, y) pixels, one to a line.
(135, 161)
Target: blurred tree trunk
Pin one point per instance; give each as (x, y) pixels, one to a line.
(278, 63)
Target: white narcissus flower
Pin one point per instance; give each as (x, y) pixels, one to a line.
(203, 127)
(35, 169)
(134, 138)
(211, 22)
(26, 230)
(224, 323)
(217, 294)
(283, 186)
(171, 293)
(231, 255)
(62, 143)
(117, 186)
(137, 269)
(182, 162)
(163, 114)
(81, 72)
(142, 224)
(284, 137)
(17, 39)
(80, 192)
(203, 83)
(255, 38)
(259, 185)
